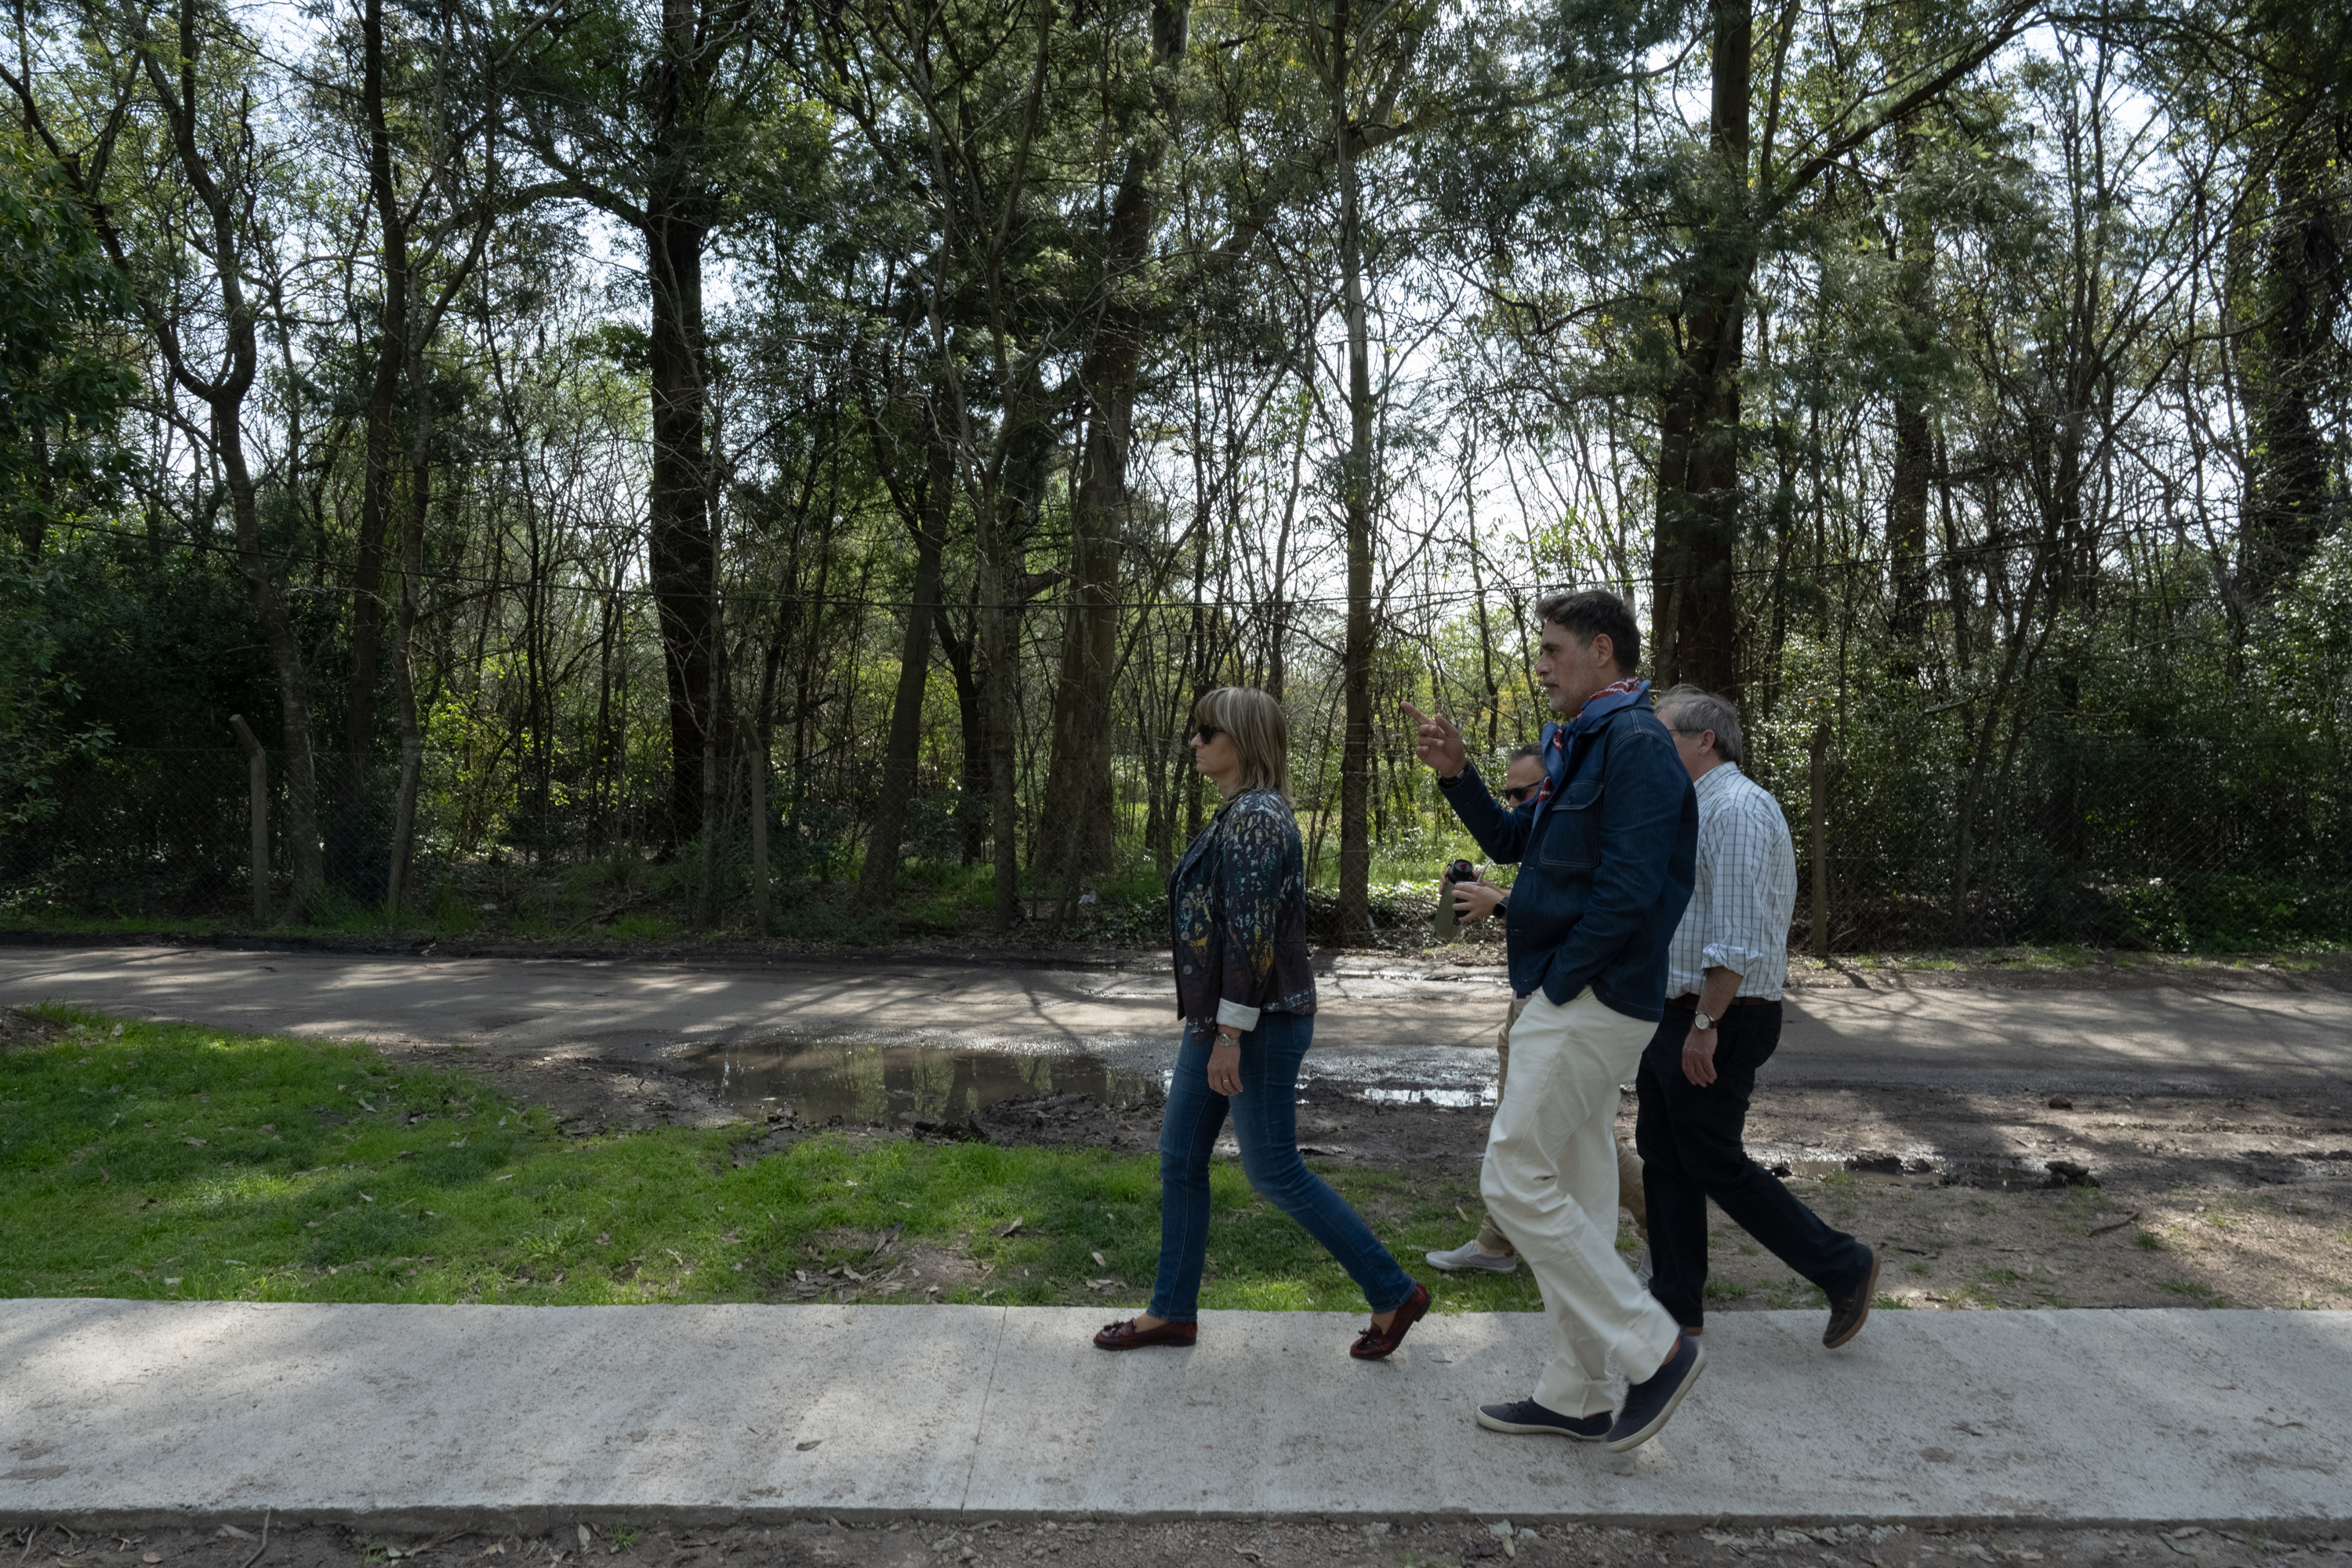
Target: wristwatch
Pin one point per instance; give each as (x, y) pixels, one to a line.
(1702, 1023)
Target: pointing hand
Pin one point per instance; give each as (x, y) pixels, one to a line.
(1440, 743)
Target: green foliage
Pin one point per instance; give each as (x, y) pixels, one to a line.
(62, 390)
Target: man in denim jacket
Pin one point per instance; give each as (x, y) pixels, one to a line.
(1608, 848)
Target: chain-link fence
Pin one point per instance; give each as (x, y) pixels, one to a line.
(2075, 836)
(2068, 836)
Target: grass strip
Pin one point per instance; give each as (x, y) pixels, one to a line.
(170, 1161)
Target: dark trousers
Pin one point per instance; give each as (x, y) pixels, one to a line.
(1690, 1141)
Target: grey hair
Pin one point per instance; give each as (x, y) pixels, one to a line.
(1687, 710)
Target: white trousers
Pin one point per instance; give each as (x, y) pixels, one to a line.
(1550, 1182)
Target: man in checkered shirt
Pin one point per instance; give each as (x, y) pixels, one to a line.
(1723, 971)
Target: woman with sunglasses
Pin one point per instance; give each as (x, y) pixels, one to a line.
(1237, 906)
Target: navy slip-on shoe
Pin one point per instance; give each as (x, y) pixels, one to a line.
(1526, 1415)
(1650, 1403)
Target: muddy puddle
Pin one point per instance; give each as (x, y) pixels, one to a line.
(867, 1081)
(862, 1082)
(1930, 1170)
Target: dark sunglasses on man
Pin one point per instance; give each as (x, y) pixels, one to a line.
(1519, 795)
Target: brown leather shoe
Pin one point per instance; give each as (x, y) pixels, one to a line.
(1125, 1336)
(1851, 1310)
(1375, 1343)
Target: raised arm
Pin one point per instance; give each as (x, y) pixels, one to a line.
(1503, 835)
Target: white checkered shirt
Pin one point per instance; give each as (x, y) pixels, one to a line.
(1746, 890)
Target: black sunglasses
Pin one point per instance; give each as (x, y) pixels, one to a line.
(1206, 733)
(1519, 795)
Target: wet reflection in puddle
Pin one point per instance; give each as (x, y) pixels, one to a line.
(862, 1082)
(1451, 1098)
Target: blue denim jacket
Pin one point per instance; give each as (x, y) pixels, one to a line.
(1609, 853)
(1237, 910)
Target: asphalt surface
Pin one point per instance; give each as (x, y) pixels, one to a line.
(1431, 1028)
(139, 1413)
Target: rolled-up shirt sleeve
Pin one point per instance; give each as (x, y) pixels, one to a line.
(1232, 1014)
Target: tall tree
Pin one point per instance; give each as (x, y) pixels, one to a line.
(1731, 203)
(1078, 777)
(662, 118)
(189, 72)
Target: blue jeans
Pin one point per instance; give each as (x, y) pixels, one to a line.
(1265, 1123)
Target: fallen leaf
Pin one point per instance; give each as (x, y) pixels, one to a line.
(507, 1177)
(151, 1557)
(805, 1447)
(365, 1199)
(1009, 1228)
(234, 1532)
(1100, 1261)
(196, 1141)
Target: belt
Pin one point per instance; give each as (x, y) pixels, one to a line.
(1688, 1002)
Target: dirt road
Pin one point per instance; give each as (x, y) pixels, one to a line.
(1419, 1022)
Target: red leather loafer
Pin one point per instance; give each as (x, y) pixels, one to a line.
(1375, 1343)
(1125, 1336)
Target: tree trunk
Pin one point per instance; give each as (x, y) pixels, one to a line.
(375, 480)
(412, 569)
(680, 555)
(2289, 512)
(880, 875)
(972, 714)
(996, 670)
(1355, 653)
(1695, 618)
(1078, 783)
(1915, 454)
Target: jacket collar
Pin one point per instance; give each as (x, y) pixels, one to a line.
(1595, 713)
(1200, 840)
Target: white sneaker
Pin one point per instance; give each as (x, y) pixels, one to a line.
(1469, 1255)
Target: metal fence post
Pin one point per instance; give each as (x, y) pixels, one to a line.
(758, 771)
(257, 765)
(1820, 781)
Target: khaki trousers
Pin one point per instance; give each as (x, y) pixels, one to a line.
(1550, 1182)
(1629, 1164)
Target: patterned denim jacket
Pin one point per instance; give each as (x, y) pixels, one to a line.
(1237, 910)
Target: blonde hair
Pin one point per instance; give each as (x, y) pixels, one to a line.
(1254, 722)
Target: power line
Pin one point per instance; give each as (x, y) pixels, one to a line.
(1423, 599)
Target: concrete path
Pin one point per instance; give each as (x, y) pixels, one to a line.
(1371, 1024)
(426, 1417)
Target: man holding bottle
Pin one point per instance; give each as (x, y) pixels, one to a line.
(1607, 847)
